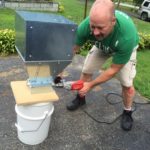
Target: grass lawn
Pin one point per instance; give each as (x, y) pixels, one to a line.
(142, 26)
(74, 10)
(7, 18)
(142, 80)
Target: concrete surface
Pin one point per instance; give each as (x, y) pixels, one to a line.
(74, 130)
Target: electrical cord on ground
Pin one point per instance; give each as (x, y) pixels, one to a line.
(113, 103)
(99, 121)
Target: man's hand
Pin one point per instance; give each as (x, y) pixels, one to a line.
(76, 49)
(86, 88)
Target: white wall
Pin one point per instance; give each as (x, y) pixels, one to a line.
(33, 6)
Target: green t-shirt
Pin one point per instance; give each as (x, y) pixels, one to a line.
(119, 43)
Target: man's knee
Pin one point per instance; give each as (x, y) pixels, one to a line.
(129, 90)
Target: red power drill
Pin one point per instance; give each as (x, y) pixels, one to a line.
(69, 85)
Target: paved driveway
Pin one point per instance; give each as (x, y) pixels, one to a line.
(74, 130)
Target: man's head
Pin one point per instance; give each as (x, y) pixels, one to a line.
(102, 19)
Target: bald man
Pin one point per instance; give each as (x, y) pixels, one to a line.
(114, 35)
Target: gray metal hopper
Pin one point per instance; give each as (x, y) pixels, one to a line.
(43, 38)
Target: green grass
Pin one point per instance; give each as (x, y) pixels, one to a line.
(7, 17)
(142, 26)
(74, 9)
(142, 80)
(71, 7)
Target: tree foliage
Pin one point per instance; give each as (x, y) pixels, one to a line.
(137, 2)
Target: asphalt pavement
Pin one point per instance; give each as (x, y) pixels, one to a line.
(92, 127)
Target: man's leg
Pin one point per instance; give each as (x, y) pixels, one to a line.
(126, 77)
(93, 62)
(79, 101)
(128, 94)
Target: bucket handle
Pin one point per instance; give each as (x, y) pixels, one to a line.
(43, 119)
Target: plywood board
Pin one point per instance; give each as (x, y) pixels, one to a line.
(26, 95)
(38, 70)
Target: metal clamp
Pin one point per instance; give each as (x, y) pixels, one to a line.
(39, 81)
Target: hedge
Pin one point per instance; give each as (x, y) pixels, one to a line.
(144, 41)
(7, 42)
(143, 44)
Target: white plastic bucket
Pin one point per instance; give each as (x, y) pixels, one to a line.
(33, 122)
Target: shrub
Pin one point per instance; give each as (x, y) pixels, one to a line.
(61, 8)
(86, 47)
(144, 41)
(7, 42)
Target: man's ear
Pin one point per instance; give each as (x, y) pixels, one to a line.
(113, 21)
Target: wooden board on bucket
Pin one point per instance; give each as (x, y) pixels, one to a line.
(26, 95)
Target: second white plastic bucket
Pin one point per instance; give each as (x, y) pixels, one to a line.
(33, 122)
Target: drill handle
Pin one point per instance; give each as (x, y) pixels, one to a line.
(77, 85)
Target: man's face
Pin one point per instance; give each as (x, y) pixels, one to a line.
(101, 29)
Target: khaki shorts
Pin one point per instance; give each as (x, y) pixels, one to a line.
(95, 59)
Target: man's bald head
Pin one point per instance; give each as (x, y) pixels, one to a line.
(102, 18)
(102, 9)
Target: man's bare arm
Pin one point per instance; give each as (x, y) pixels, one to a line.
(107, 74)
(103, 77)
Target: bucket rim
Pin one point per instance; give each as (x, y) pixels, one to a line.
(36, 104)
(46, 113)
(42, 104)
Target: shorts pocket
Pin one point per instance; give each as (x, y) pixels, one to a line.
(133, 69)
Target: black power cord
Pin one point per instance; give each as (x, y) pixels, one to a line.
(113, 103)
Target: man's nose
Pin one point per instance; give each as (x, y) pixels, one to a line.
(96, 31)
